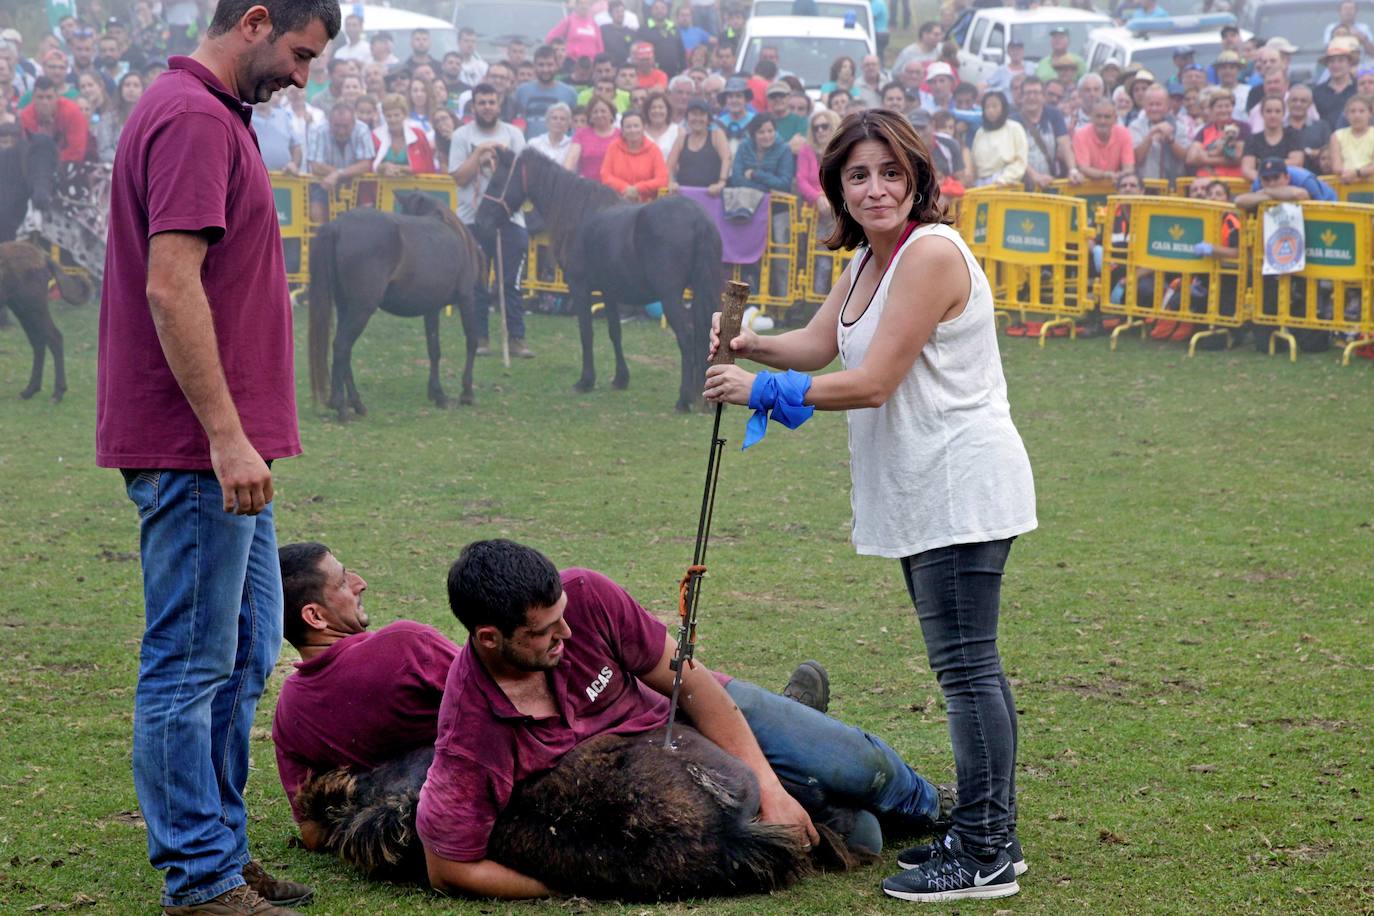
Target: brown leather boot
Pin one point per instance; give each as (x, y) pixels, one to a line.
(238, 901)
(274, 890)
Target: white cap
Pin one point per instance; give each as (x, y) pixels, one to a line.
(938, 68)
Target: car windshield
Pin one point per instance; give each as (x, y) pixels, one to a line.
(441, 41)
(1160, 61)
(498, 22)
(836, 10)
(1302, 25)
(1036, 36)
(808, 58)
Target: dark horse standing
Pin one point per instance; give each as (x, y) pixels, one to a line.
(409, 264)
(633, 254)
(25, 270)
(28, 172)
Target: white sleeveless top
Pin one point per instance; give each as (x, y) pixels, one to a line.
(941, 462)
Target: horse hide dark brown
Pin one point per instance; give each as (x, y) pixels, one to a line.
(618, 818)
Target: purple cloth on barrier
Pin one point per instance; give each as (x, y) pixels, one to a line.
(741, 243)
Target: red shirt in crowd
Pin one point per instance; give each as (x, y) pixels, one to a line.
(188, 161)
(68, 128)
(1115, 155)
(367, 699)
(485, 745)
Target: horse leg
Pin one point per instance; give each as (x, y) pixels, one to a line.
(622, 371)
(59, 381)
(681, 323)
(436, 390)
(467, 311)
(351, 325)
(582, 302)
(38, 339)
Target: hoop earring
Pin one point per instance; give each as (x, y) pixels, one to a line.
(920, 199)
(844, 205)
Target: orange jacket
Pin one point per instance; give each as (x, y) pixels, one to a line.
(645, 171)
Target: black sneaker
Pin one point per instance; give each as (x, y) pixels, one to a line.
(919, 855)
(809, 685)
(952, 874)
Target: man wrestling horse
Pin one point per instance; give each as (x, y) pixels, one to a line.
(359, 697)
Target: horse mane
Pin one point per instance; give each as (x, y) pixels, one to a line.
(562, 197)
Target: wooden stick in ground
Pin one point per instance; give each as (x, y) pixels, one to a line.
(501, 302)
(732, 303)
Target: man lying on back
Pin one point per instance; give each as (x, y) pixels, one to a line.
(555, 659)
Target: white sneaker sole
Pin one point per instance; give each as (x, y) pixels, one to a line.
(1019, 866)
(963, 893)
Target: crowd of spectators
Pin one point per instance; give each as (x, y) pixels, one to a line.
(653, 101)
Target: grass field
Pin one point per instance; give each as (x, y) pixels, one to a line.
(1189, 632)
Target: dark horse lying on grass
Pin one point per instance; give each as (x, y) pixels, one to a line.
(24, 274)
(619, 817)
(409, 264)
(633, 254)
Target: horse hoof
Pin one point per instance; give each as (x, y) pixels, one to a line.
(584, 386)
(57, 397)
(466, 399)
(441, 401)
(359, 409)
(28, 393)
(683, 407)
(620, 384)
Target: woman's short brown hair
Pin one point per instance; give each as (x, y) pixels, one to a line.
(395, 102)
(913, 161)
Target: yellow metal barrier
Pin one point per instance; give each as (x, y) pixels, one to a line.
(1035, 255)
(440, 187)
(1335, 290)
(1159, 271)
(1353, 192)
(290, 195)
(1095, 193)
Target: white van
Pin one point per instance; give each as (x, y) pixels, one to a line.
(807, 46)
(443, 37)
(831, 9)
(1151, 42)
(983, 39)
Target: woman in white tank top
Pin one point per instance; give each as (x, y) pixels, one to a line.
(941, 481)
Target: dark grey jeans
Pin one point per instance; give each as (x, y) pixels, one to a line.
(957, 591)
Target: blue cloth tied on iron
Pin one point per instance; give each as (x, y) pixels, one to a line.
(779, 394)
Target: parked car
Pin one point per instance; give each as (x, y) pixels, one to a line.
(983, 39)
(1152, 42)
(834, 9)
(497, 22)
(443, 37)
(807, 45)
(1303, 22)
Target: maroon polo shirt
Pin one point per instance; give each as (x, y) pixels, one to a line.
(369, 698)
(485, 745)
(188, 161)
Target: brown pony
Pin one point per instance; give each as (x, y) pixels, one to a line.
(618, 818)
(409, 264)
(25, 270)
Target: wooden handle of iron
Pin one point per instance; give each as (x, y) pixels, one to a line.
(732, 303)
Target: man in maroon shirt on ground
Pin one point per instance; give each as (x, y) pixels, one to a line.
(357, 698)
(554, 659)
(195, 395)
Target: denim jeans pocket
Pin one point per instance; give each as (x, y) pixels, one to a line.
(142, 487)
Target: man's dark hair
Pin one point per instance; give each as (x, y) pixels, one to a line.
(335, 63)
(766, 69)
(1032, 81)
(497, 582)
(454, 54)
(43, 84)
(286, 15)
(602, 58)
(926, 28)
(485, 89)
(420, 31)
(544, 52)
(302, 581)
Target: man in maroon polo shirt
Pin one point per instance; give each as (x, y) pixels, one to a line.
(356, 698)
(195, 395)
(554, 659)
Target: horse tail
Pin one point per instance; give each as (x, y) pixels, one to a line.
(75, 290)
(321, 308)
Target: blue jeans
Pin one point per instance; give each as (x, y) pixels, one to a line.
(957, 592)
(213, 607)
(515, 244)
(846, 763)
